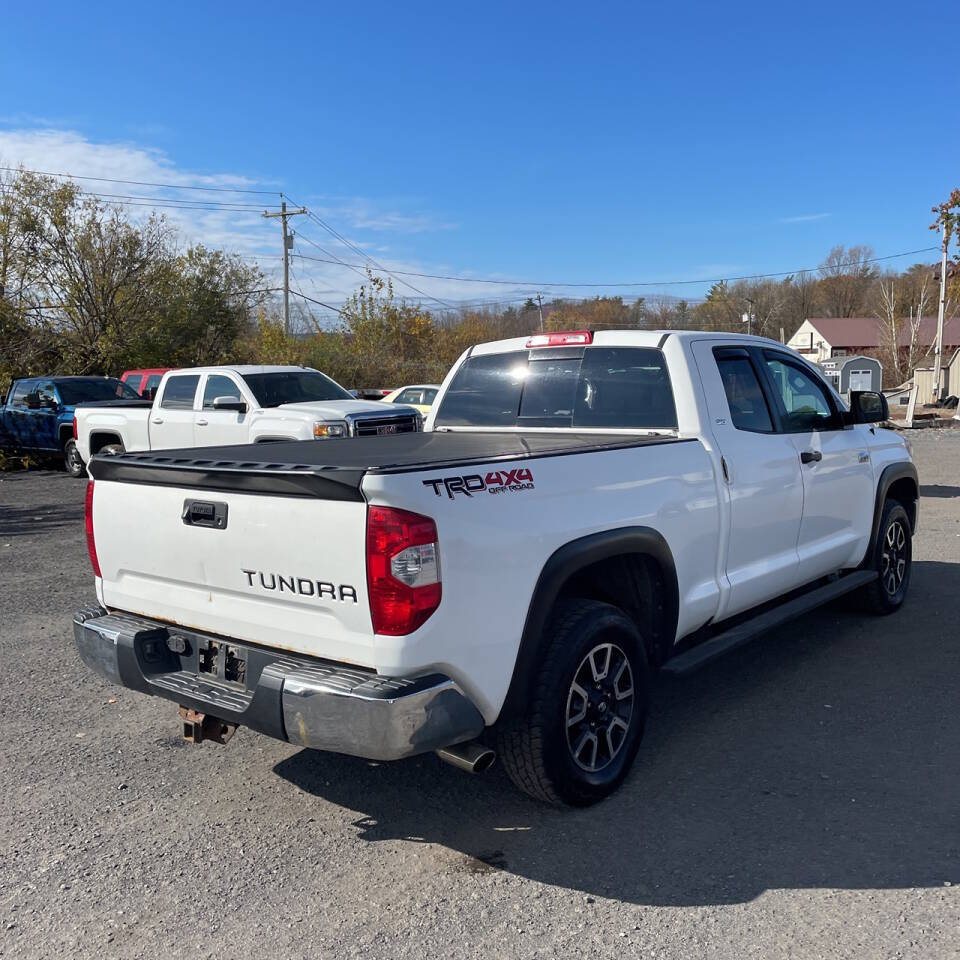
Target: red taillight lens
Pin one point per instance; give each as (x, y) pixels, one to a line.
(88, 524)
(403, 570)
(564, 338)
(74, 428)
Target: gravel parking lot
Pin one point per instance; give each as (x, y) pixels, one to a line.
(800, 798)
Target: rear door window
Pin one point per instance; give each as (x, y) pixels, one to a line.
(134, 382)
(20, 393)
(745, 397)
(595, 387)
(179, 392)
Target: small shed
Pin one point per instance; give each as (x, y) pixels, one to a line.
(949, 379)
(853, 373)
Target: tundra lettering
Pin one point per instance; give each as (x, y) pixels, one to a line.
(306, 587)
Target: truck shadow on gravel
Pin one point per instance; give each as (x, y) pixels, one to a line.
(825, 756)
(39, 519)
(939, 491)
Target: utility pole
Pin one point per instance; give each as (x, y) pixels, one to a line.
(287, 245)
(938, 345)
(540, 310)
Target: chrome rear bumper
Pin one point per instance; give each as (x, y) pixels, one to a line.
(309, 702)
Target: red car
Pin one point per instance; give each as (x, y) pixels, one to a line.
(145, 382)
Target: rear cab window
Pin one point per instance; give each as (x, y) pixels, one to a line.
(622, 388)
(179, 392)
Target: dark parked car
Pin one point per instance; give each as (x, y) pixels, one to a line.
(37, 416)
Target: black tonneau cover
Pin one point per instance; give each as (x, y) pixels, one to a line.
(119, 402)
(334, 469)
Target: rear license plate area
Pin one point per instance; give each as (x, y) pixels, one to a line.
(222, 661)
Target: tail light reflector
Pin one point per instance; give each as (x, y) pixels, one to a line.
(403, 570)
(74, 428)
(88, 525)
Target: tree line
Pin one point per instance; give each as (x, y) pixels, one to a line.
(86, 290)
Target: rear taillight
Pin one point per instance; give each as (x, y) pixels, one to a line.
(74, 428)
(403, 570)
(88, 524)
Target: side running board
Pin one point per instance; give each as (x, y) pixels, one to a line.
(743, 633)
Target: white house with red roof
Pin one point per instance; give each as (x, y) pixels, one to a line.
(820, 338)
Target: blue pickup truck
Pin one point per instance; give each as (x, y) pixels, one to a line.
(37, 416)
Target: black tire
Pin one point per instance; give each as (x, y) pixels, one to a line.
(538, 742)
(111, 449)
(893, 559)
(72, 461)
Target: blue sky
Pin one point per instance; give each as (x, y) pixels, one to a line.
(590, 143)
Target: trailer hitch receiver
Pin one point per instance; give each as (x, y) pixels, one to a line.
(198, 727)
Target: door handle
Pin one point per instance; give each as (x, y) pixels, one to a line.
(202, 423)
(158, 420)
(811, 456)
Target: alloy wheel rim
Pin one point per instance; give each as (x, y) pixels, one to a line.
(893, 561)
(600, 705)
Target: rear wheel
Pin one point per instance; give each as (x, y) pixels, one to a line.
(576, 738)
(111, 449)
(893, 559)
(72, 461)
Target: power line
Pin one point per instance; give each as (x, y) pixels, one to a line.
(295, 289)
(143, 183)
(320, 303)
(357, 250)
(632, 283)
(217, 204)
(343, 263)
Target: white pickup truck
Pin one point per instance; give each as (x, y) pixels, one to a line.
(582, 511)
(216, 406)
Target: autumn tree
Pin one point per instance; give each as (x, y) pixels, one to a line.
(845, 279)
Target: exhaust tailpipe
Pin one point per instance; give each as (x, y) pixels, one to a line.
(473, 757)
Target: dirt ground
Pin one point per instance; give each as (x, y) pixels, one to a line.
(800, 798)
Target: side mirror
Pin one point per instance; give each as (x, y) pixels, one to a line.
(868, 406)
(230, 403)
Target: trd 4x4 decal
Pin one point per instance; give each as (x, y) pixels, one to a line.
(497, 481)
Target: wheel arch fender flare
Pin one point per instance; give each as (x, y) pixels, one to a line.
(101, 436)
(564, 563)
(891, 474)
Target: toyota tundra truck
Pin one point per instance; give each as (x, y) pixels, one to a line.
(582, 511)
(216, 406)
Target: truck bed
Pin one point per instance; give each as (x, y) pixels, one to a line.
(334, 469)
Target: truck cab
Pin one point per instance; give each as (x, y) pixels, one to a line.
(226, 405)
(37, 417)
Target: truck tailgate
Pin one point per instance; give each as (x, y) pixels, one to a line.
(285, 571)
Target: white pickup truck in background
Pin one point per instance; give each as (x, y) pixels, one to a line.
(583, 511)
(216, 406)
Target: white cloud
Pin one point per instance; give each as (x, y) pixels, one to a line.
(239, 228)
(805, 218)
